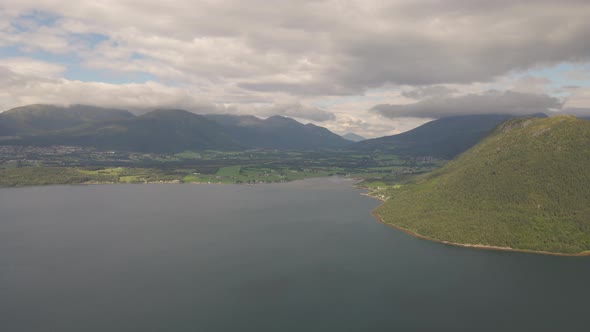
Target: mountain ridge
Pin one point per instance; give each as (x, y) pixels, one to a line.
(353, 137)
(442, 138)
(278, 132)
(161, 130)
(44, 117)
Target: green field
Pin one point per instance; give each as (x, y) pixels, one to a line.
(207, 167)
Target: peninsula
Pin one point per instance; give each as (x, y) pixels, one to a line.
(526, 187)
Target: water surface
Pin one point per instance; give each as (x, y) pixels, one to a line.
(301, 256)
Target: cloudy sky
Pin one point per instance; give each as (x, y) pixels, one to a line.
(371, 67)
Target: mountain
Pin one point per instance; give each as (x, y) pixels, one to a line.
(157, 131)
(443, 138)
(353, 137)
(526, 186)
(277, 132)
(33, 119)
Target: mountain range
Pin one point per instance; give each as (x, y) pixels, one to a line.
(178, 130)
(443, 138)
(277, 132)
(158, 131)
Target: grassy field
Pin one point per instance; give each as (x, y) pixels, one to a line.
(34, 165)
(27, 176)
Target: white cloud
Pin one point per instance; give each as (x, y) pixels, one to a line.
(25, 67)
(249, 56)
(25, 81)
(531, 84)
(578, 101)
(297, 110)
(429, 92)
(333, 46)
(490, 102)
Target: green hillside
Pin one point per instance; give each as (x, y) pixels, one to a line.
(526, 186)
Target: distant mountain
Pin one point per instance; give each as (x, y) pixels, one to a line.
(353, 137)
(526, 186)
(158, 131)
(38, 118)
(442, 138)
(277, 132)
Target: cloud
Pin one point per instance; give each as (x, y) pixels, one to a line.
(297, 110)
(578, 98)
(531, 84)
(491, 102)
(373, 125)
(429, 91)
(330, 46)
(26, 67)
(27, 81)
(247, 56)
(576, 111)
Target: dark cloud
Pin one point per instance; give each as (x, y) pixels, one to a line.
(491, 102)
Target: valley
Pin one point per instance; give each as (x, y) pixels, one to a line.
(75, 165)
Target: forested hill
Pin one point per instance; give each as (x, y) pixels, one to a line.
(526, 186)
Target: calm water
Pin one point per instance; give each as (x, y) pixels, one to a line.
(303, 256)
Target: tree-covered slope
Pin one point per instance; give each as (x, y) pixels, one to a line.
(526, 186)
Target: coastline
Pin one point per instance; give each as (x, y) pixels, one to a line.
(472, 246)
(373, 213)
(92, 183)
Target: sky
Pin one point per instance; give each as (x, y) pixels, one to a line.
(370, 67)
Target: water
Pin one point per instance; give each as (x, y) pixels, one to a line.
(302, 256)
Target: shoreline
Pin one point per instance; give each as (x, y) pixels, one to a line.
(468, 245)
(92, 183)
(373, 213)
